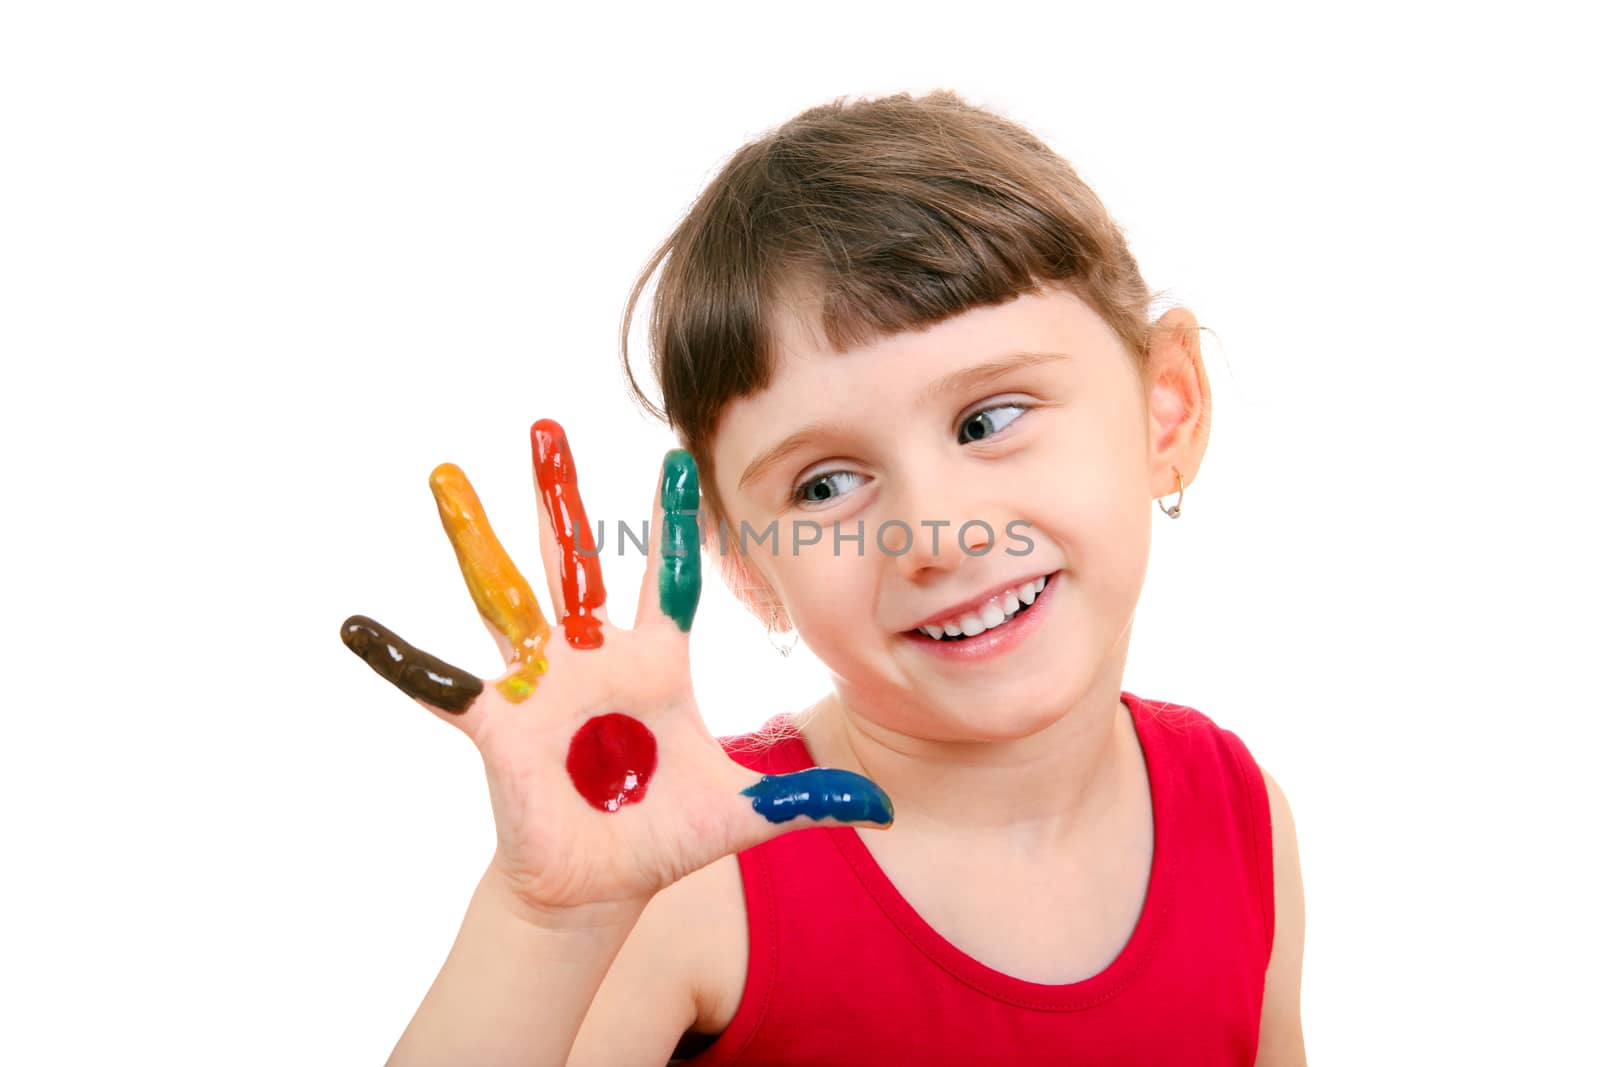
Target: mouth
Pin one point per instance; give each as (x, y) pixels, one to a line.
(995, 615)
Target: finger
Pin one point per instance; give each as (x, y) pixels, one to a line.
(576, 587)
(414, 672)
(671, 586)
(820, 793)
(503, 596)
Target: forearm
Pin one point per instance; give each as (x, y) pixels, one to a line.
(514, 990)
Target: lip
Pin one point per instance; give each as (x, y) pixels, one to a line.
(977, 603)
(996, 642)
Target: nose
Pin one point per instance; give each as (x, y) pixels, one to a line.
(932, 530)
(925, 549)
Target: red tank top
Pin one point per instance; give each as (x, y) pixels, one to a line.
(842, 970)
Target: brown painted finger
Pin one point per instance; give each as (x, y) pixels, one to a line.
(503, 596)
(582, 590)
(411, 670)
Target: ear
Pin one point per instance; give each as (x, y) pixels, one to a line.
(1179, 401)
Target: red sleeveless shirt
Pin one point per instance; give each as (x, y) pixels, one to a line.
(842, 970)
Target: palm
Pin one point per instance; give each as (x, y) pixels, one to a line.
(620, 837)
(606, 785)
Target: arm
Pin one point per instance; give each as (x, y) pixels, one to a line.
(655, 990)
(1282, 1043)
(514, 988)
(596, 810)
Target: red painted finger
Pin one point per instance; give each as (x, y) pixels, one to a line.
(583, 590)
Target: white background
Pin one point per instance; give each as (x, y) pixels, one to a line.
(263, 266)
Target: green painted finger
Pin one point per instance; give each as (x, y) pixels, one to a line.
(679, 582)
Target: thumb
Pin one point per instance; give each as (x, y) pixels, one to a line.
(812, 797)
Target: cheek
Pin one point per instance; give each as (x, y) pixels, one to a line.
(829, 596)
(1099, 526)
(1115, 551)
(1096, 487)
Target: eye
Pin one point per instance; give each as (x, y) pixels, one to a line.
(987, 423)
(822, 489)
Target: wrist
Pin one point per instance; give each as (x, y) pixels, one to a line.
(499, 890)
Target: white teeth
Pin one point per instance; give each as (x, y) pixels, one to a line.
(990, 615)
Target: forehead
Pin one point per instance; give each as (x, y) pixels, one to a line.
(1054, 319)
(809, 373)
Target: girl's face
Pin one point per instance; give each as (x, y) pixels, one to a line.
(1028, 417)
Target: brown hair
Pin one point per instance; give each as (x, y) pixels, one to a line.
(893, 214)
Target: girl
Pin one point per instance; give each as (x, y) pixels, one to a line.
(923, 411)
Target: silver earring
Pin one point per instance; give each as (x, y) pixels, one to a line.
(781, 645)
(1172, 512)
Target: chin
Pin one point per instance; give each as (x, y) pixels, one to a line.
(999, 705)
(1002, 717)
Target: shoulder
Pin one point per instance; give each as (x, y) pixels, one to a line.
(702, 925)
(1282, 1042)
(1284, 842)
(1287, 890)
(680, 972)
(719, 954)
(769, 749)
(1202, 750)
(1205, 761)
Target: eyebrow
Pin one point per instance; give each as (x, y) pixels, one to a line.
(971, 377)
(959, 382)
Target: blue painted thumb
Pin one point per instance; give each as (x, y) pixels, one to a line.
(820, 793)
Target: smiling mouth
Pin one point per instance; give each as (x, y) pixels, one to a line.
(992, 617)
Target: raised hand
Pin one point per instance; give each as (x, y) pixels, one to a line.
(606, 785)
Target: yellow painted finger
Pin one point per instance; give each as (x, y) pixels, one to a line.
(499, 590)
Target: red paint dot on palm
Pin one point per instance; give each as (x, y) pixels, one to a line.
(611, 760)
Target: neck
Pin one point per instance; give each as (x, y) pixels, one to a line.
(1019, 794)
